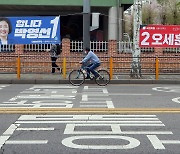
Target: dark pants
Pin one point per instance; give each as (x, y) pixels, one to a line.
(54, 65)
(91, 68)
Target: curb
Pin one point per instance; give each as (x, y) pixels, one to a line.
(65, 81)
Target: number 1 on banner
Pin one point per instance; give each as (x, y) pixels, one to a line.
(55, 22)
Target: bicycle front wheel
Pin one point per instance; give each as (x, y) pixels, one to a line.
(103, 79)
(76, 77)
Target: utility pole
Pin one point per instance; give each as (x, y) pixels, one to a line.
(86, 24)
(136, 66)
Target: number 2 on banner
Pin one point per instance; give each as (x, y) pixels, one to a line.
(144, 41)
(55, 22)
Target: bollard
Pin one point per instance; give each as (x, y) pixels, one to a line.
(157, 68)
(18, 67)
(111, 67)
(64, 68)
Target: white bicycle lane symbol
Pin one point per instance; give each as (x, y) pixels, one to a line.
(171, 89)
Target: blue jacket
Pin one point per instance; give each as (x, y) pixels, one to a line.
(91, 56)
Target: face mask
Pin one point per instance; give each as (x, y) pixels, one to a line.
(85, 52)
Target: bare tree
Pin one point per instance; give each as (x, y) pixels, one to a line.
(129, 25)
(169, 11)
(147, 14)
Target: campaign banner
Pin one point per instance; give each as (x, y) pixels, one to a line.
(159, 36)
(30, 30)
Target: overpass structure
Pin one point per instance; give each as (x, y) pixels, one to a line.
(110, 20)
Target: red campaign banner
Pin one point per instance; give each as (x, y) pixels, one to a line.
(159, 36)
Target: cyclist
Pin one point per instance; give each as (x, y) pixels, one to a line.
(94, 63)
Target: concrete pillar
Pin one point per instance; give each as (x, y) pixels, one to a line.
(115, 25)
(112, 24)
(121, 23)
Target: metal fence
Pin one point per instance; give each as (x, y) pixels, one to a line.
(7, 48)
(124, 47)
(121, 65)
(36, 47)
(172, 50)
(77, 46)
(102, 46)
(97, 46)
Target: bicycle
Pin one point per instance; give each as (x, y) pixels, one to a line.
(77, 76)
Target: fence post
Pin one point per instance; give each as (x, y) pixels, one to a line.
(111, 67)
(18, 67)
(157, 68)
(64, 68)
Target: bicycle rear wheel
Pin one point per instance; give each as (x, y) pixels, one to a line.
(103, 79)
(76, 77)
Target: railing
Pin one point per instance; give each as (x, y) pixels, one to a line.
(120, 65)
(7, 48)
(124, 47)
(77, 46)
(97, 46)
(102, 46)
(172, 50)
(36, 47)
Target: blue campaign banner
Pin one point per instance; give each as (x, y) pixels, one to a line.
(30, 30)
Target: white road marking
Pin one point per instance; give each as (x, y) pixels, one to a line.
(158, 144)
(115, 129)
(53, 87)
(85, 87)
(175, 89)
(2, 86)
(96, 97)
(84, 98)
(3, 139)
(131, 94)
(94, 127)
(48, 97)
(35, 129)
(27, 142)
(11, 129)
(83, 121)
(105, 104)
(83, 117)
(176, 100)
(105, 91)
(132, 143)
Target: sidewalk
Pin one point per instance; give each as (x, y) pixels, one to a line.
(58, 79)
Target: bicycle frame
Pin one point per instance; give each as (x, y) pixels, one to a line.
(78, 76)
(79, 73)
(84, 67)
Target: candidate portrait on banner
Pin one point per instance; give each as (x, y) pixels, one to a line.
(5, 30)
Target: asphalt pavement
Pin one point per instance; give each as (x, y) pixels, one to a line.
(59, 79)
